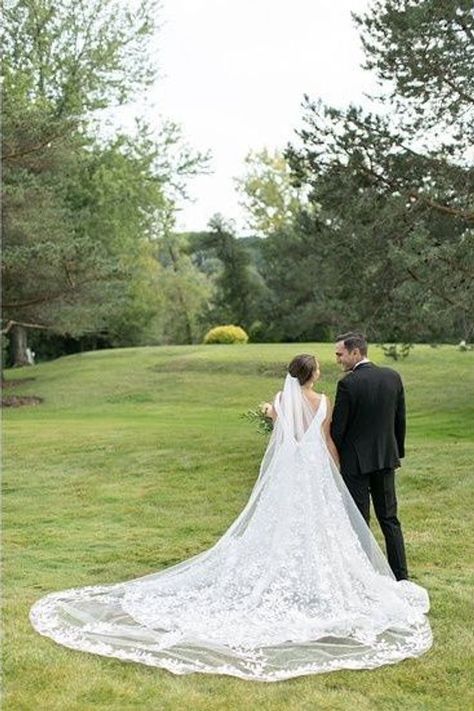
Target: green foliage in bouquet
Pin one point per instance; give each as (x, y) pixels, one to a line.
(264, 423)
(226, 334)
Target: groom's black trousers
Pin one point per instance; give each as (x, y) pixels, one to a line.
(381, 486)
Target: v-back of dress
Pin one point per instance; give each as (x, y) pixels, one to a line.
(296, 585)
(319, 415)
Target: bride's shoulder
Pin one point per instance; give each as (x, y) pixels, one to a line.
(326, 401)
(315, 399)
(317, 396)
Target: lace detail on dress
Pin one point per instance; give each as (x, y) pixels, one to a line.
(296, 585)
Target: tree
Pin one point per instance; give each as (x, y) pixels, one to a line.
(76, 234)
(423, 50)
(238, 285)
(72, 58)
(79, 210)
(301, 305)
(186, 290)
(62, 62)
(267, 193)
(397, 199)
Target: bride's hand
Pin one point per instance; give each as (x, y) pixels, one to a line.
(265, 408)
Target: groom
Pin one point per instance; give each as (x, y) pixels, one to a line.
(368, 429)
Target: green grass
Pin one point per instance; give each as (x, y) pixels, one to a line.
(138, 458)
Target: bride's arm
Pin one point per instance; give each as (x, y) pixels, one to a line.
(326, 427)
(268, 409)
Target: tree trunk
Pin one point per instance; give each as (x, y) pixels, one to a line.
(18, 345)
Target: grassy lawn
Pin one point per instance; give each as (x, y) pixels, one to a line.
(138, 458)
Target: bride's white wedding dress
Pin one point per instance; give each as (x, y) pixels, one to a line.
(296, 585)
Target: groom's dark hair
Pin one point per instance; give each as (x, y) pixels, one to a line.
(354, 339)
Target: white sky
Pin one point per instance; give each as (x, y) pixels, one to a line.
(233, 75)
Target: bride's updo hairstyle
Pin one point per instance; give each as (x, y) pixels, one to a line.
(303, 367)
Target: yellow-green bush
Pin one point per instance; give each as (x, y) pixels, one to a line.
(226, 334)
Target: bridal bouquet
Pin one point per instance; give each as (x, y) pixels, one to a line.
(264, 423)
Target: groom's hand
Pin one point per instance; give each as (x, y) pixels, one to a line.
(400, 422)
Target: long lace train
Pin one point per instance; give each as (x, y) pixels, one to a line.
(296, 585)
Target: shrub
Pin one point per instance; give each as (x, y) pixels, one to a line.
(397, 351)
(226, 334)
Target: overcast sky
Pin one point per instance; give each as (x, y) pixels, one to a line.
(233, 76)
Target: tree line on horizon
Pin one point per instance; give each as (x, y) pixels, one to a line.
(365, 219)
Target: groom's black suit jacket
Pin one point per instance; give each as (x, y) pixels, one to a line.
(368, 422)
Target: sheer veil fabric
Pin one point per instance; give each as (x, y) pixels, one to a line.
(296, 585)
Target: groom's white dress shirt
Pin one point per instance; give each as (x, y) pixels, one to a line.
(364, 360)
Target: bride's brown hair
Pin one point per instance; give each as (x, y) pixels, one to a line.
(303, 367)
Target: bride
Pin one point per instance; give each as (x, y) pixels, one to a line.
(296, 585)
